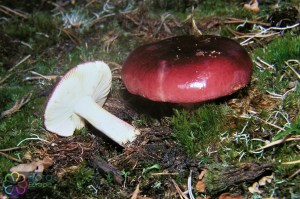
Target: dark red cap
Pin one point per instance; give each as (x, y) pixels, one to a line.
(187, 69)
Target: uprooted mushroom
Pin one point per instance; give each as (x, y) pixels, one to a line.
(79, 97)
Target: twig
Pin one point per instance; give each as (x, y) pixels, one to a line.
(40, 76)
(266, 30)
(72, 36)
(16, 107)
(8, 11)
(181, 194)
(235, 20)
(266, 122)
(292, 162)
(162, 174)
(257, 35)
(12, 148)
(19, 63)
(5, 78)
(265, 63)
(285, 139)
(194, 25)
(13, 68)
(98, 19)
(9, 157)
(278, 96)
(295, 174)
(47, 77)
(298, 63)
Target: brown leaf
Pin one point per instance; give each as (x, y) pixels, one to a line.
(36, 166)
(254, 188)
(252, 6)
(202, 174)
(200, 186)
(230, 196)
(265, 179)
(136, 192)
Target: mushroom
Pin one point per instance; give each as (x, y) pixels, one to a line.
(187, 69)
(79, 96)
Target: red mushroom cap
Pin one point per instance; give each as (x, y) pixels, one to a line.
(187, 69)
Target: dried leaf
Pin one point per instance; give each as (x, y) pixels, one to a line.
(136, 192)
(254, 188)
(202, 174)
(265, 179)
(36, 166)
(252, 6)
(201, 186)
(230, 196)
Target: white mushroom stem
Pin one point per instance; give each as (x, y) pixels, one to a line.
(113, 127)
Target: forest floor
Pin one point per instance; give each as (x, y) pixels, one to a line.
(241, 146)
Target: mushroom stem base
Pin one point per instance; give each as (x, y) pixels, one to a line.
(113, 127)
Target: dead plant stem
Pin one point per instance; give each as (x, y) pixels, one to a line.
(13, 148)
(11, 158)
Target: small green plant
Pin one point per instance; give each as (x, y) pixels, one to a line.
(195, 131)
(294, 128)
(39, 31)
(148, 169)
(125, 174)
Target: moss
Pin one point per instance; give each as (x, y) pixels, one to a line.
(35, 26)
(74, 183)
(216, 8)
(21, 124)
(291, 103)
(276, 53)
(195, 131)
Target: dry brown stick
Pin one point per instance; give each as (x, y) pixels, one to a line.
(46, 77)
(292, 162)
(163, 174)
(271, 124)
(181, 194)
(5, 78)
(267, 30)
(9, 157)
(19, 63)
(236, 33)
(16, 107)
(8, 11)
(13, 68)
(292, 69)
(295, 174)
(258, 36)
(72, 36)
(237, 21)
(101, 18)
(276, 143)
(13, 148)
